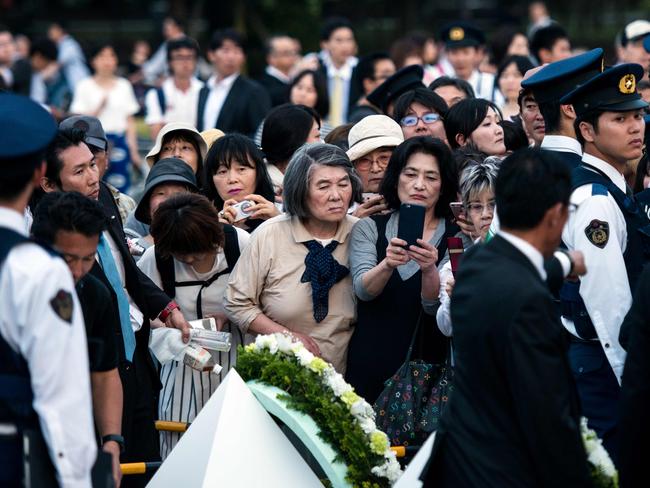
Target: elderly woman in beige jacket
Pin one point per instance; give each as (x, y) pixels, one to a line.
(293, 277)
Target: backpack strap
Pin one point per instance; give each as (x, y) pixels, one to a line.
(231, 246)
(165, 267)
(168, 276)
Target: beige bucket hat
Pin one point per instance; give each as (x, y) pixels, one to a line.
(188, 129)
(371, 133)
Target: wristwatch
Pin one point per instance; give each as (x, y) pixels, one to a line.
(115, 438)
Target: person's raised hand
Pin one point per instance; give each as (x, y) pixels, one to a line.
(308, 342)
(396, 253)
(449, 287)
(466, 226)
(263, 209)
(228, 213)
(177, 321)
(425, 254)
(220, 318)
(579, 266)
(371, 206)
(113, 448)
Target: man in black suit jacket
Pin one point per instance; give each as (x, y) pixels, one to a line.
(229, 101)
(71, 167)
(513, 417)
(635, 390)
(281, 57)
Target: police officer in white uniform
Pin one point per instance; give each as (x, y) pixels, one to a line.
(549, 85)
(43, 396)
(608, 226)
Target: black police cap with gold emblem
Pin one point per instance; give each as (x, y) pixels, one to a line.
(557, 79)
(613, 90)
(408, 78)
(462, 34)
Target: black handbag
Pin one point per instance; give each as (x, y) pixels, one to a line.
(411, 404)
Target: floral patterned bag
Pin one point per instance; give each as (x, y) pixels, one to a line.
(409, 408)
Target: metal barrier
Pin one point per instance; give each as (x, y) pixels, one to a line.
(170, 426)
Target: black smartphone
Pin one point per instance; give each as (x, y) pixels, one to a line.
(411, 223)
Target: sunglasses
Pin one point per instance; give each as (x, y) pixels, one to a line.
(412, 120)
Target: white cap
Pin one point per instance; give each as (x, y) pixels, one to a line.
(371, 133)
(635, 30)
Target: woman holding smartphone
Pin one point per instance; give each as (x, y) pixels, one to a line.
(398, 286)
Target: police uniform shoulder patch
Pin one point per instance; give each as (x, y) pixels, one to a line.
(62, 305)
(598, 233)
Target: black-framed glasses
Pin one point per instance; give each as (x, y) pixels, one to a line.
(412, 120)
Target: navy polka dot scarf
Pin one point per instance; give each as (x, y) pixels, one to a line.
(323, 272)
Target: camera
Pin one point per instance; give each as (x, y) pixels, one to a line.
(243, 210)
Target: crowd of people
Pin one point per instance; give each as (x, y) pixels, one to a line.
(281, 205)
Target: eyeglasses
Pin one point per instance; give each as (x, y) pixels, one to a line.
(364, 163)
(412, 120)
(479, 208)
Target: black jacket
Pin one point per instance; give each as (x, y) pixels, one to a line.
(243, 110)
(635, 392)
(150, 299)
(277, 89)
(513, 417)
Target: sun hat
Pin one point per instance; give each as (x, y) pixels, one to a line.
(187, 130)
(167, 170)
(371, 133)
(211, 135)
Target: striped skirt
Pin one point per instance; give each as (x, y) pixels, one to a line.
(186, 390)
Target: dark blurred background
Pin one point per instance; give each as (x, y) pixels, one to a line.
(590, 23)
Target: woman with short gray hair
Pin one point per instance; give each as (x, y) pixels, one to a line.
(477, 194)
(293, 277)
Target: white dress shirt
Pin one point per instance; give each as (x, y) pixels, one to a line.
(276, 73)
(561, 144)
(483, 84)
(219, 91)
(605, 289)
(528, 250)
(180, 106)
(55, 350)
